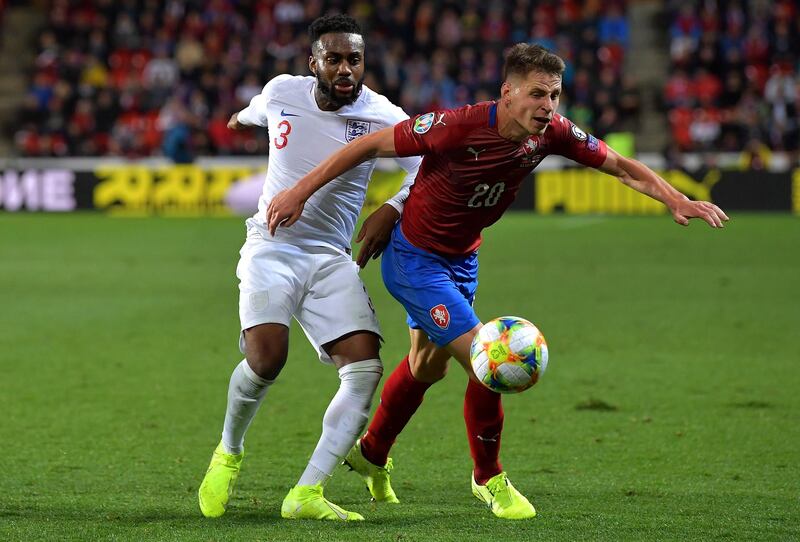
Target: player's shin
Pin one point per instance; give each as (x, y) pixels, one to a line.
(344, 419)
(246, 391)
(483, 414)
(402, 394)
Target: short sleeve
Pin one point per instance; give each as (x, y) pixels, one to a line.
(255, 114)
(389, 113)
(575, 144)
(435, 132)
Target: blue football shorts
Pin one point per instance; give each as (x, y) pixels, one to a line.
(436, 291)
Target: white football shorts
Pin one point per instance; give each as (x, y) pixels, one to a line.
(318, 286)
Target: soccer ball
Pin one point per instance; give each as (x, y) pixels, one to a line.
(508, 354)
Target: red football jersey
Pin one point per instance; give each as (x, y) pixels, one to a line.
(470, 173)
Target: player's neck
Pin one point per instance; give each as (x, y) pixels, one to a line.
(507, 127)
(323, 101)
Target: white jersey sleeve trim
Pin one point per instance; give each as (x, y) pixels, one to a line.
(255, 114)
(411, 165)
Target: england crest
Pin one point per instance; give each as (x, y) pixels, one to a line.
(355, 129)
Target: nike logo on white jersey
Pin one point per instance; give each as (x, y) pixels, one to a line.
(285, 114)
(476, 153)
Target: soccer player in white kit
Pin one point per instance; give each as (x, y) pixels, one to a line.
(306, 271)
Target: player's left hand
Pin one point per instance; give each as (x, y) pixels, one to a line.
(709, 212)
(284, 210)
(375, 232)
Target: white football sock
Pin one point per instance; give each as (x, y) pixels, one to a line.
(344, 420)
(245, 393)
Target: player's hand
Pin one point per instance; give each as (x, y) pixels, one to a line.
(375, 232)
(704, 210)
(284, 210)
(233, 122)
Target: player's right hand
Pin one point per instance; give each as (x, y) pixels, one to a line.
(233, 122)
(375, 232)
(686, 209)
(284, 210)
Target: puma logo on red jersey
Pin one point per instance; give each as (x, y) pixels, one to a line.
(476, 153)
(440, 316)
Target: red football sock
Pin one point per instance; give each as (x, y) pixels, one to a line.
(483, 412)
(402, 394)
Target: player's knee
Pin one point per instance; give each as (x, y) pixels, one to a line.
(266, 366)
(361, 378)
(266, 350)
(353, 347)
(428, 368)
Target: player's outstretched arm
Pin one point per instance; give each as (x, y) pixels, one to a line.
(287, 206)
(643, 179)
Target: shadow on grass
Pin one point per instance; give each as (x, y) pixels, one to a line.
(597, 405)
(751, 404)
(101, 515)
(387, 517)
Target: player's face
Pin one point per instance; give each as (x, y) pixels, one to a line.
(532, 100)
(338, 64)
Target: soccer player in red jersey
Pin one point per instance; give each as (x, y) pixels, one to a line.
(474, 160)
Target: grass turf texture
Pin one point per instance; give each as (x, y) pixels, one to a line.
(669, 410)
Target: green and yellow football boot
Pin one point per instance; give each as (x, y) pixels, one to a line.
(307, 502)
(503, 499)
(218, 483)
(376, 478)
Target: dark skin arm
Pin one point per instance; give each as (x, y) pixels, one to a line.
(286, 207)
(375, 233)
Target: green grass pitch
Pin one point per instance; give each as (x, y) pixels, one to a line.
(670, 410)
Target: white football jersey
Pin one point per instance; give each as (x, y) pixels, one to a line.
(301, 136)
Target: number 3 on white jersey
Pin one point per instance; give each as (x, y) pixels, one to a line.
(492, 194)
(282, 140)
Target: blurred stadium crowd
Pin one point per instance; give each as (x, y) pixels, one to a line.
(147, 77)
(141, 77)
(735, 77)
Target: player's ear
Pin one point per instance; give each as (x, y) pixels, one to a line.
(312, 64)
(505, 90)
